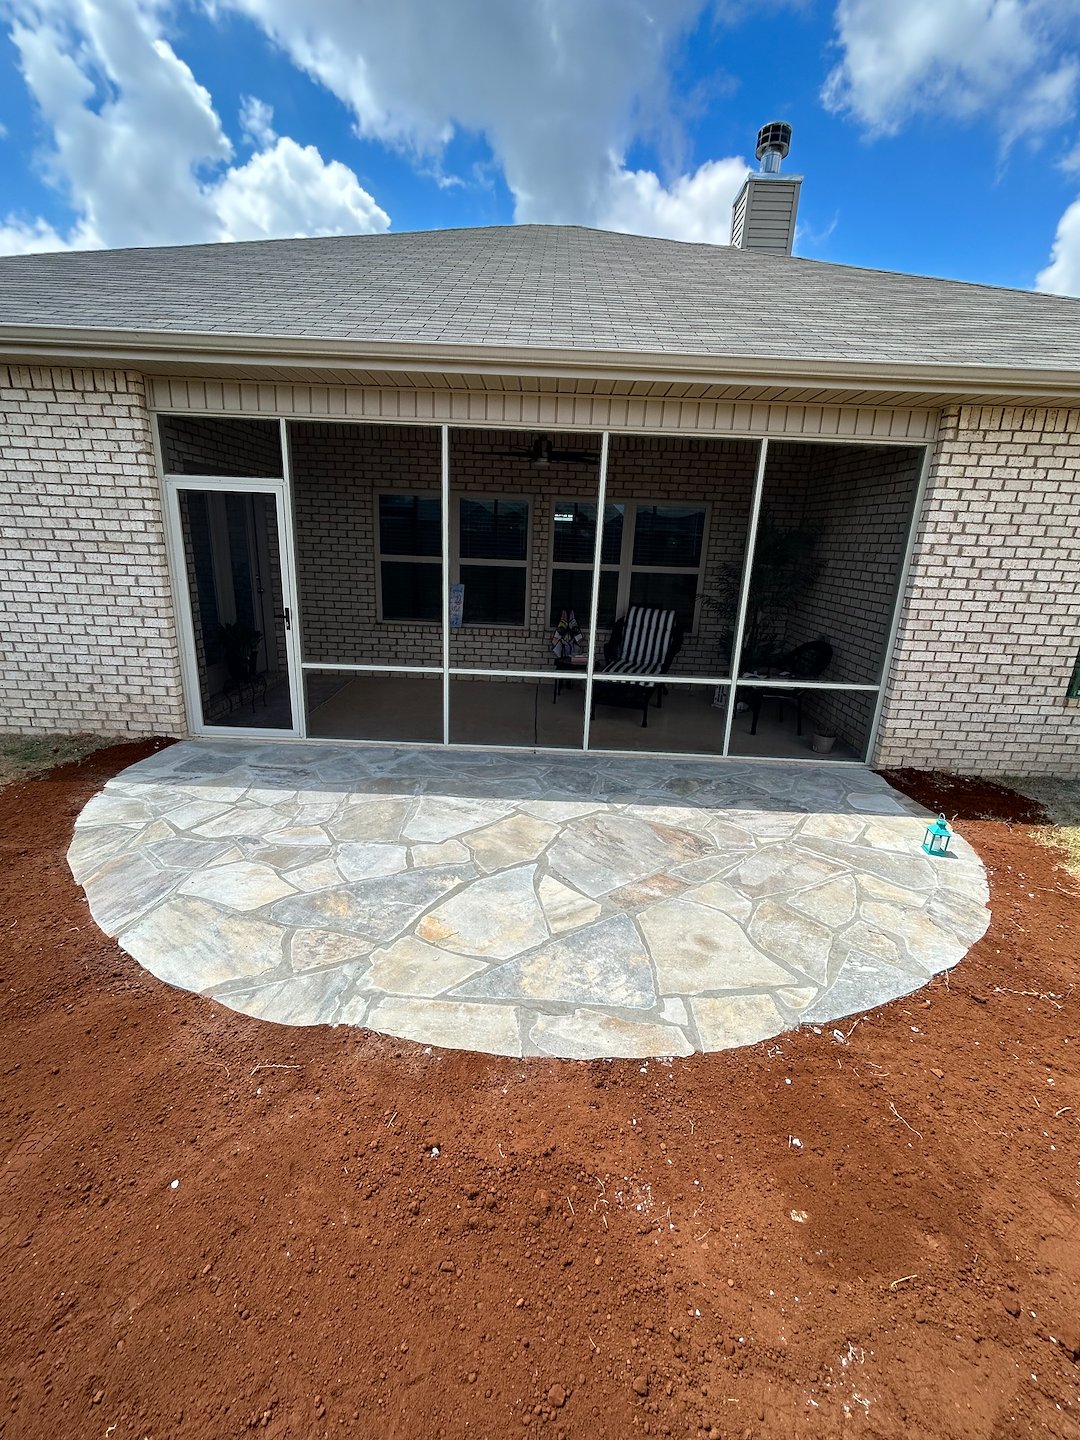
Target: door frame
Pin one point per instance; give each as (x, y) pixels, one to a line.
(189, 665)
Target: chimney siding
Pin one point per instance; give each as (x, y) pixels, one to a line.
(763, 216)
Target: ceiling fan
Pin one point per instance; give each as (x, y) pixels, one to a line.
(542, 452)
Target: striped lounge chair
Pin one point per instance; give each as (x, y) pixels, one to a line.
(643, 642)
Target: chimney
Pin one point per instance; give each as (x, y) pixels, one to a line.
(763, 216)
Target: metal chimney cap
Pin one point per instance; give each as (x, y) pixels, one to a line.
(774, 139)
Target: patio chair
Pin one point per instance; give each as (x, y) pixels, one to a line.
(805, 662)
(642, 642)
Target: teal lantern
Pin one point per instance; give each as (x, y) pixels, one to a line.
(938, 835)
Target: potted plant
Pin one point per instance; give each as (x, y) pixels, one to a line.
(240, 646)
(785, 566)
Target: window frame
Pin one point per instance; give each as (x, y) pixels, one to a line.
(456, 497)
(625, 567)
(380, 617)
(456, 561)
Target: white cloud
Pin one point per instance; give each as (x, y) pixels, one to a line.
(1062, 275)
(29, 237)
(138, 150)
(559, 90)
(694, 207)
(959, 58)
(290, 190)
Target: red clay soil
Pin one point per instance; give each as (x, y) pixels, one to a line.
(368, 1239)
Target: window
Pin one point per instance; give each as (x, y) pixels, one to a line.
(572, 545)
(410, 583)
(1073, 692)
(493, 559)
(650, 554)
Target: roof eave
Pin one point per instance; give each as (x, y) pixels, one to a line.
(172, 351)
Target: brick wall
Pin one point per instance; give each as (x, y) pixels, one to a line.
(87, 638)
(991, 618)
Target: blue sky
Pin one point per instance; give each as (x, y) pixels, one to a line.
(936, 136)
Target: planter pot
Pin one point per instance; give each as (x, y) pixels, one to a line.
(822, 744)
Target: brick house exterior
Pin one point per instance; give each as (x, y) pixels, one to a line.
(987, 627)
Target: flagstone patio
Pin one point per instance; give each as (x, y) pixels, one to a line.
(522, 904)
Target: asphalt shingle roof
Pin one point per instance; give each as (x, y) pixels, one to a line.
(543, 286)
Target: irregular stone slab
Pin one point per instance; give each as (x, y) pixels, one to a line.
(196, 812)
(606, 851)
(604, 964)
(195, 946)
(556, 812)
(372, 909)
(240, 886)
(733, 1020)
(183, 853)
(318, 949)
(298, 835)
(871, 943)
(861, 984)
(829, 826)
(496, 917)
(930, 943)
(236, 822)
(779, 869)
(966, 916)
(448, 852)
(409, 967)
(798, 997)
(833, 903)
(768, 824)
(696, 948)
(126, 887)
(719, 895)
(320, 875)
(377, 819)
(92, 846)
(510, 841)
(359, 861)
(912, 872)
(444, 817)
(728, 836)
(675, 1012)
(902, 835)
(313, 999)
(564, 908)
(801, 943)
(875, 802)
(286, 857)
(116, 810)
(586, 1035)
(645, 892)
(491, 1029)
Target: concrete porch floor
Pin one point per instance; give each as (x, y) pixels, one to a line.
(523, 904)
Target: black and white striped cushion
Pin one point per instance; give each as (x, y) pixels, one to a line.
(645, 641)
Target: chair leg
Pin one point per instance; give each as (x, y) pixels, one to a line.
(645, 710)
(798, 714)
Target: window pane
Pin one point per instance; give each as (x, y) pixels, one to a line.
(198, 445)
(494, 529)
(668, 534)
(575, 532)
(572, 590)
(410, 524)
(411, 592)
(666, 592)
(494, 594)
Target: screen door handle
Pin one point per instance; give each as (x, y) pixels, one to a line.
(288, 619)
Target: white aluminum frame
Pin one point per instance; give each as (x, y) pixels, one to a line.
(283, 491)
(185, 610)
